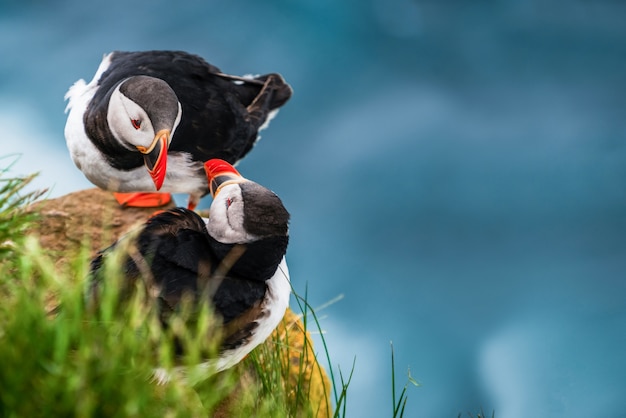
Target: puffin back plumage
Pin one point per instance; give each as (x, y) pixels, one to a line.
(175, 258)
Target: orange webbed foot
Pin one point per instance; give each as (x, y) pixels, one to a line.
(142, 200)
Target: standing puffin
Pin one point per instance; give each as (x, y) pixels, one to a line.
(235, 258)
(149, 120)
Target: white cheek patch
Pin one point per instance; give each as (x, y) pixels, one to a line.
(226, 219)
(121, 111)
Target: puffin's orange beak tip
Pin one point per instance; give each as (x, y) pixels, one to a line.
(216, 166)
(156, 162)
(160, 168)
(218, 172)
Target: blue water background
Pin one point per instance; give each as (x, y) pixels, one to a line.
(456, 169)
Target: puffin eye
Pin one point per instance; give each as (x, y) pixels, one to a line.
(136, 123)
(229, 201)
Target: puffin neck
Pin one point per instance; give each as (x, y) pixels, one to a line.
(260, 259)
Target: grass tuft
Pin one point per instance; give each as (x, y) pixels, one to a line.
(14, 219)
(399, 405)
(63, 355)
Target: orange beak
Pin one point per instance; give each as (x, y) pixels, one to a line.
(155, 157)
(220, 173)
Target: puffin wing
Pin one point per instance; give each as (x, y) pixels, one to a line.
(175, 247)
(224, 114)
(169, 253)
(238, 301)
(184, 263)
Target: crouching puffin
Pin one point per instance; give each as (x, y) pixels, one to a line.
(148, 121)
(235, 258)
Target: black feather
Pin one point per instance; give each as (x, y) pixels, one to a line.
(221, 117)
(183, 258)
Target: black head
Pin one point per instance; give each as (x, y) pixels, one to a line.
(142, 115)
(264, 213)
(244, 211)
(155, 97)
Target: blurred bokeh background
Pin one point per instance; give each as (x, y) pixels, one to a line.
(455, 169)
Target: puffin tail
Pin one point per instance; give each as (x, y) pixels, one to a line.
(280, 90)
(272, 85)
(264, 106)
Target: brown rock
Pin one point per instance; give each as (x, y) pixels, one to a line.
(89, 217)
